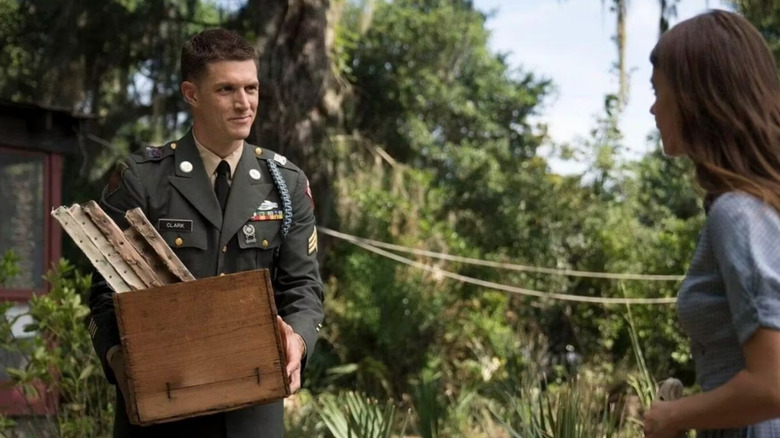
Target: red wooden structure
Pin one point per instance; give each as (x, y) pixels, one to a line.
(33, 142)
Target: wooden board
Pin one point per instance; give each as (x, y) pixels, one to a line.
(88, 247)
(201, 347)
(138, 221)
(106, 248)
(152, 259)
(121, 245)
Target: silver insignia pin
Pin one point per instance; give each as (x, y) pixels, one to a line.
(280, 159)
(249, 233)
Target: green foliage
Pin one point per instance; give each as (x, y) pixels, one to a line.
(437, 149)
(9, 266)
(431, 410)
(571, 411)
(642, 383)
(766, 17)
(351, 415)
(444, 158)
(59, 368)
(301, 416)
(581, 406)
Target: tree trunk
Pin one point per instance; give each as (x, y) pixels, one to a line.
(299, 95)
(621, 9)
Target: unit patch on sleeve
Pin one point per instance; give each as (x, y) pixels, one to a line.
(116, 178)
(308, 193)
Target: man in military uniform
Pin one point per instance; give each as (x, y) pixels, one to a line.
(223, 206)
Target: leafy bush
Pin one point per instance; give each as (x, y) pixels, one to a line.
(58, 365)
(351, 415)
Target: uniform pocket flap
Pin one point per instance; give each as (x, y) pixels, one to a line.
(184, 237)
(260, 235)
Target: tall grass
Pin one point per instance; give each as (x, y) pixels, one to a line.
(351, 415)
(576, 407)
(571, 410)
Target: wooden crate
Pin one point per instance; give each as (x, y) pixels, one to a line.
(201, 347)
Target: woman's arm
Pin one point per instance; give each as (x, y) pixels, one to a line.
(751, 396)
(742, 230)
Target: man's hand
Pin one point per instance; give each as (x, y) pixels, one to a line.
(117, 363)
(294, 348)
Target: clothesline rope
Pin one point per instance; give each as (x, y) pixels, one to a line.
(499, 265)
(489, 284)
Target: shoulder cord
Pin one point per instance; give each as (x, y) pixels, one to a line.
(284, 193)
(281, 185)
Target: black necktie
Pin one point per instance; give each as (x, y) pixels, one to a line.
(221, 186)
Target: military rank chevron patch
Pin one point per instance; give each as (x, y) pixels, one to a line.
(313, 241)
(92, 328)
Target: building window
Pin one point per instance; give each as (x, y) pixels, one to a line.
(25, 200)
(23, 220)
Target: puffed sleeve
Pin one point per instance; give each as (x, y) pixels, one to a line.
(744, 232)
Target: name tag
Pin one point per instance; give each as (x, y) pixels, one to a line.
(180, 225)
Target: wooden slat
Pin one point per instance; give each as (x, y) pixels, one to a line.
(117, 239)
(109, 252)
(195, 348)
(139, 221)
(88, 247)
(221, 396)
(147, 252)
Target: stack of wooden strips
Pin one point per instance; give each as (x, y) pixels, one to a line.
(134, 259)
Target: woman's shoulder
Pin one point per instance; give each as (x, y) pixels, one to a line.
(729, 200)
(734, 210)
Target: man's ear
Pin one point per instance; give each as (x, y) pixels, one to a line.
(190, 92)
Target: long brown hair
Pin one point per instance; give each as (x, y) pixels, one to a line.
(727, 90)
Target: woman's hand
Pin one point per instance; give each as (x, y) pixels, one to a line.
(658, 421)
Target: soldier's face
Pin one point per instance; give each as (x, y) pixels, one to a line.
(224, 100)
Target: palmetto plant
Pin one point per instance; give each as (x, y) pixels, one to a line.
(575, 409)
(352, 415)
(431, 411)
(572, 411)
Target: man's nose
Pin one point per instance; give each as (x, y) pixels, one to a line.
(242, 100)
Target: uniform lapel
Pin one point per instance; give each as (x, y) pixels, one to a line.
(246, 193)
(194, 185)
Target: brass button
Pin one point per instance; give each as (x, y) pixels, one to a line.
(265, 243)
(173, 145)
(178, 241)
(258, 151)
(224, 248)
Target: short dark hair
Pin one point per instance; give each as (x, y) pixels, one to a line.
(213, 45)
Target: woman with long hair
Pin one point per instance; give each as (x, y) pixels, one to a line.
(718, 104)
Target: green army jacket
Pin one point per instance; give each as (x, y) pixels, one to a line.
(170, 185)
